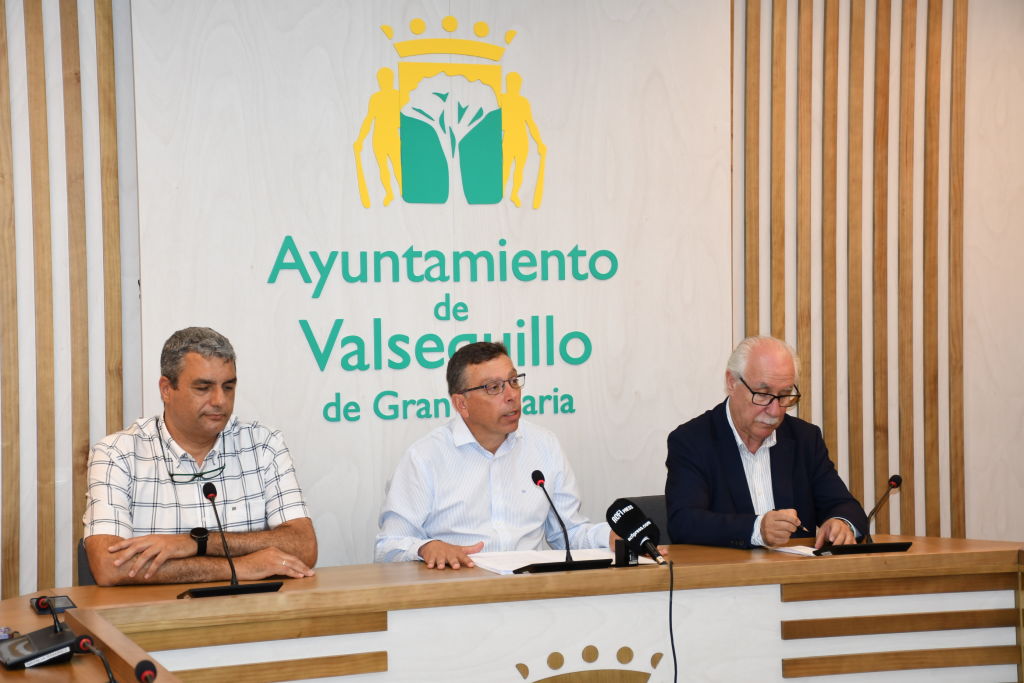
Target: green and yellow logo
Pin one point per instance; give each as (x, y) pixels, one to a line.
(449, 130)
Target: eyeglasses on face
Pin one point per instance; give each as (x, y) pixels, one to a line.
(761, 398)
(495, 387)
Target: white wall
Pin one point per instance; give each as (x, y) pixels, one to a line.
(993, 249)
(246, 115)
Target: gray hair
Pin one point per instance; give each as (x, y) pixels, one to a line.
(206, 342)
(737, 365)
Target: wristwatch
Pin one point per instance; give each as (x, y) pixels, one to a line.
(200, 535)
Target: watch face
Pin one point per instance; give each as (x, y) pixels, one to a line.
(199, 533)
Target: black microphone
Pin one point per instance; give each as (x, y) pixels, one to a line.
(234, 588)
(41, 603)
(538, 479)
(635, 528)
(569, 564)
(210, 493)
(145, 671)
(84, 644)
(894, 483)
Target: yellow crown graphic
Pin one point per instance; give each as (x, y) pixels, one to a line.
(417, 47)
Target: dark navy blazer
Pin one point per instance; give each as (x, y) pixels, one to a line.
(707, 496)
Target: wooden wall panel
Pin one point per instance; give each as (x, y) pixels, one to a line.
(49, 310)
(930, 285)
(905, 257)
(111, 215)
(880, 257)
(778, 179)
(919, 292)
(854, 259)
(751, 187)
(10, 421)
(78, 281)
(42, 253)
(829, 153)
(955, 362)
(805, 61)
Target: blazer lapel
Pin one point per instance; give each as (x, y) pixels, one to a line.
(732, 465)
(782, 470)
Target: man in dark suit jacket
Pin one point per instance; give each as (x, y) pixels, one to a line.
(746, 474)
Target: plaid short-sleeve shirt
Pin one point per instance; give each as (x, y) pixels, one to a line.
(131, 493)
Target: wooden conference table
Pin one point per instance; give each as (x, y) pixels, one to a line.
(926, 614)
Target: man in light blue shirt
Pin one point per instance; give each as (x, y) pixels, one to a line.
(467, 487)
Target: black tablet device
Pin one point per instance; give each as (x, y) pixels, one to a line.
(896, 547)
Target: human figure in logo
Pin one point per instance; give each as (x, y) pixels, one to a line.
(516, 120)
(382, 113)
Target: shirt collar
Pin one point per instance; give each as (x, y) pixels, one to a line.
(767, 443)
(461, 436)
(176, 452)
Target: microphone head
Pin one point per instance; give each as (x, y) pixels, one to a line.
(538, 477)
(209, 490)
(632, 525)
(82, 644)
(145, 671)
(895, 481)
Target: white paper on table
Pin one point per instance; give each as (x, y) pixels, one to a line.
(804, 550)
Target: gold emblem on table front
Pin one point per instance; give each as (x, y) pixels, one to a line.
(593, 669)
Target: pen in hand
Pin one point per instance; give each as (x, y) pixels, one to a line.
(800, 526)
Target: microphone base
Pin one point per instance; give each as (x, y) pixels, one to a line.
(864, 548)
(44, 646)
(542, 567)
(239, 589)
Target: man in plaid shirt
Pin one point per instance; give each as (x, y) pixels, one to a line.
(146, 519)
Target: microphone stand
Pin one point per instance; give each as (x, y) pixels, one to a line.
(233, 588)
(569, 564)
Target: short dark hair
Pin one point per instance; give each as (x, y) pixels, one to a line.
(207, 342)
(471, 354)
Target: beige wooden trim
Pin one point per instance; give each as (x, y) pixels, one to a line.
(777, 285)
(930, 284)
(111, 215)
(10, 423)
(963, 583)
(77, 268)
(905, 273)
(855, 256)
(898, 661)
(751, 189)
(880, 258)
(173, 636)
(318, 667)
(122, 653)
(958, 97)
(829, 152)
(42, 254)
(805, 60)
(898, 623)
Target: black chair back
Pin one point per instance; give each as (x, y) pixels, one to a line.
(85, 577)
(654, 508)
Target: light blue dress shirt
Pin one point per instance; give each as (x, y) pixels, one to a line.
(448, 487)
